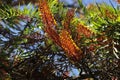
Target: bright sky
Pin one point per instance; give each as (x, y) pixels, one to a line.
(99, 1)
(86, 2)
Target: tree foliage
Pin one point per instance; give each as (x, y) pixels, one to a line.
(50, 41)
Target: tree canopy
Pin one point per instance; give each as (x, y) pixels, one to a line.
(45, 39)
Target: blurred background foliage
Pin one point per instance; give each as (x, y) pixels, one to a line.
(27, 53)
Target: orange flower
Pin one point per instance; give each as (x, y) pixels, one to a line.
(46, 14)
(67, 43)
(64, 40)
(53, 35)
(69, 17)
(48, 21)
(83, 30)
